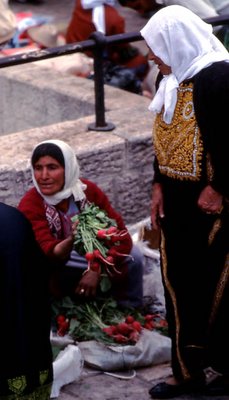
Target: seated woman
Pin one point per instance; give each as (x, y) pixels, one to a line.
(58, 195)
(26, 355)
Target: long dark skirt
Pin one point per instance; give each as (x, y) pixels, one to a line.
(195, 269)
(26, 357)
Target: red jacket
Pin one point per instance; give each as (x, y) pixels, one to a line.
(81, 27)
(32, 206)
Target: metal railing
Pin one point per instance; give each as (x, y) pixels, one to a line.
(96, 43)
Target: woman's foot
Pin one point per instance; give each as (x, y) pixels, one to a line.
(172, 388)
(218, 387)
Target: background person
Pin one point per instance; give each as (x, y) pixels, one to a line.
(101, 15)
(8, 23)
(190, 195)
(26, 356)
(58, 194)
(206, 9)
(203, 8)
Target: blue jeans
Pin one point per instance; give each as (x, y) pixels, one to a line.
(128, 292)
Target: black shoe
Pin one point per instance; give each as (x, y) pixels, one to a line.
(164, 390)
(218, 387)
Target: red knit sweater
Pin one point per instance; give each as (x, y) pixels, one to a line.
(32, 206)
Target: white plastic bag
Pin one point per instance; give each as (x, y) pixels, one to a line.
(152, 348)
(67, 368)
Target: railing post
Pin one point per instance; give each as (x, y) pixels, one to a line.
(100, 123)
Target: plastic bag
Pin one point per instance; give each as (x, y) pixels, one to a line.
(67, 368)
(152, 348)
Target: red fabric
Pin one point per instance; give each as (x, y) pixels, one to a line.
(81, 27)
(32, 206)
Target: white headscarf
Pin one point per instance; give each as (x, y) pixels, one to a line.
(73, 185)
(98, 17)
(183, 41)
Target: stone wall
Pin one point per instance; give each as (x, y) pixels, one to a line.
(61, 107)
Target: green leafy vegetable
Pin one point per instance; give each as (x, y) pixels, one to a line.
(103, 320)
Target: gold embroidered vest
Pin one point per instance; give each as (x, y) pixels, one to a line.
(178, 146)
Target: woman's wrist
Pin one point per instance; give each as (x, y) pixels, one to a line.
(63, 249)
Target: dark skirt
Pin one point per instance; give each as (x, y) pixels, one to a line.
(195, 269)
(26, 356)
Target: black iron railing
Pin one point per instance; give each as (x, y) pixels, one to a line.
(96, 43)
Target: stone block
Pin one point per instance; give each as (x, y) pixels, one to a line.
(51, 105)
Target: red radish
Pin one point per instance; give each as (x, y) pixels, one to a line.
(106, 233)
(97, 254)
(119, 236)
(148, 317)
(149, 326)
(102, 234)
(134, 336)
(129, 319)
(95, 266)
(137, 326)
(63, 328)
(60, 318)
(120, 338)
(123, 328)
(110, 269)
(89, 256)
(109, 259)
(122, 233)
(163, 323)
(114, 239)
(110, 330)
(111, 230)
(113, 252)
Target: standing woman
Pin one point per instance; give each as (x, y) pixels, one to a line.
(26, 356)
(190, 195)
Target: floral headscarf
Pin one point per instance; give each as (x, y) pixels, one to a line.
(186, 43)
(73, 185)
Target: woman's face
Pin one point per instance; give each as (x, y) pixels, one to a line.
(164, 69)
(49, 174)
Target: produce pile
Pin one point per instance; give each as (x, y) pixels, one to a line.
(102, 320)
(95, 237)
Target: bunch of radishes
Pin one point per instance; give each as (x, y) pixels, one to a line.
(125, 332)
(96, 237)
(129, 331)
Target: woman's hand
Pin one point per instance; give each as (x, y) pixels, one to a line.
(74, 227)
(210, 201)
(63, 249)
(157, 208)
(88, 284)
